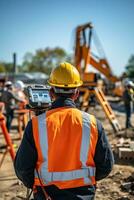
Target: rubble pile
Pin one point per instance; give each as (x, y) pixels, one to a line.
(128, 185)
(124, 149)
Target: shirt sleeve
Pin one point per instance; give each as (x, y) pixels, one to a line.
(104, 159)
(26, 158)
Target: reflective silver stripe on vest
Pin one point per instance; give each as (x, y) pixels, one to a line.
(43, 140)
(43, 135)
(65, 176)
(85, 143)
(87, 197)
(85, 138)
(85, 172)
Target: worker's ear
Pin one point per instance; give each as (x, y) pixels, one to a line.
(75, 96)
(52, 94)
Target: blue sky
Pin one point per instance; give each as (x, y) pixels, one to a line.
(27, 25)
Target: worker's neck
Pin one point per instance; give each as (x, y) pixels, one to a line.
(63, 102)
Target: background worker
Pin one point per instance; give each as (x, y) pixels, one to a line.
(128, 98)
(67, 147)
(19, 87)
(9, 99)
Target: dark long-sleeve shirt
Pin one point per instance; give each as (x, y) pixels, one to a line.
(9, 99)
(26, 156)
(127, 97)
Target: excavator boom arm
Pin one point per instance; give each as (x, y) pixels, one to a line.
(83, 54)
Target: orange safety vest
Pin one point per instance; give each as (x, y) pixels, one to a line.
(65, 139)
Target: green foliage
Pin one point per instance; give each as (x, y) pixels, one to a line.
(6, 67)
(130, 67)
(2, 68)
(44, 60)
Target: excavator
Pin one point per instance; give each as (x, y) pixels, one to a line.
(84, 59)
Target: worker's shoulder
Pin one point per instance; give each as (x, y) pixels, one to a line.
(36, 118)
(91, 116)
(6, 95)
(9, 93)
(5, 92)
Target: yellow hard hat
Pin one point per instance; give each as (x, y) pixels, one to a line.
(65, 75)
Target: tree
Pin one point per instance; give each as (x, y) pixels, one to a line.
(27, 60)
(130, 67)
(6, 67)
(44, 60)
(2, 68)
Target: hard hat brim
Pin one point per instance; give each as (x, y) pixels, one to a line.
(66, 86)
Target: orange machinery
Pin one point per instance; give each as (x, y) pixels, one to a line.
(9, 144)
(83, 54)
(83, 58)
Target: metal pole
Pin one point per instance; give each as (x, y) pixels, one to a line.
(14, 63)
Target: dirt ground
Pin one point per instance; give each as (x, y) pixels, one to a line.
(108, 189)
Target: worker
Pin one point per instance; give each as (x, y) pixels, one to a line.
(2, 83)
(19, 88)
(9, 99)
(65, 150)
(128, 98)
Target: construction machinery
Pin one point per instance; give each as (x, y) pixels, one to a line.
(9, 147)
(84, 58)
(83, 54)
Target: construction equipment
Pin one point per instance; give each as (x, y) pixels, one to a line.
(83, 54)
(38, 99)
(38, 96)
(9, 145)
(83, 58)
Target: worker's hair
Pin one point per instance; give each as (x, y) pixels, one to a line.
(64, 95)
